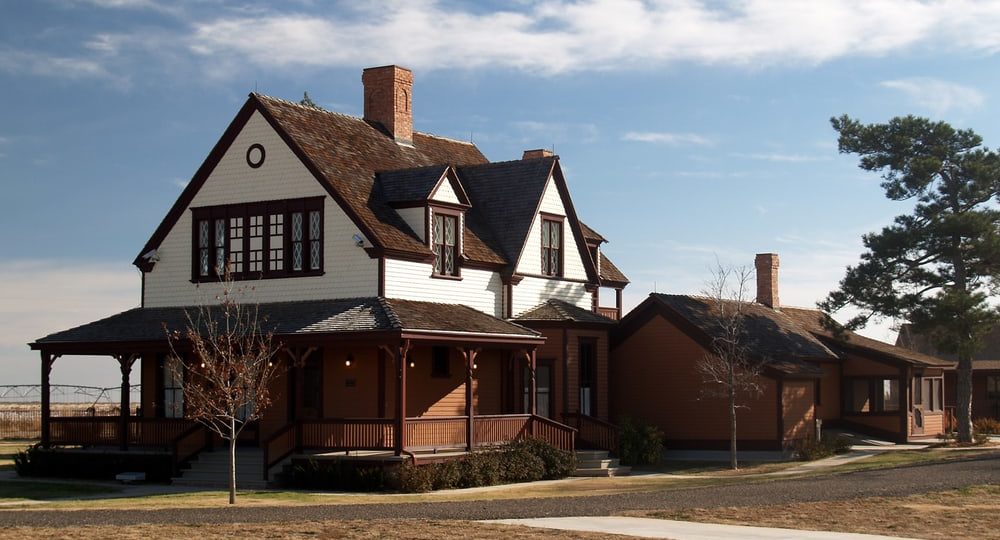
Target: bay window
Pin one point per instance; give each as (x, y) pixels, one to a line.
(253, 240)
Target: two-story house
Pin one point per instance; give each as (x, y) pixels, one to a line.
(424, 297)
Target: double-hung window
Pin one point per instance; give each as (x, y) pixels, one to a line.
(445, 236)
(258, 240)
(551, 247)
(875, 395)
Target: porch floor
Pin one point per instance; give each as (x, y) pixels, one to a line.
(387, 456)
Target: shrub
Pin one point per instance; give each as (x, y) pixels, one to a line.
(341, 475)
(520, 465)
(416, 478)
(447, 475)
(37, 461)
(484, 468)
(556, 463)
(641, 443)
(987, 426)
(811, 449)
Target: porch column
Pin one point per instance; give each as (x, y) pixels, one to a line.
(47, 360)
(125, 363)
(470, 362)
(618, 302)
(401, 365)
(532, 387)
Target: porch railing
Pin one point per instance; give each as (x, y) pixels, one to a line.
(609, 312)
(422, 433)
(181, 437)
(595, 432)
(435, 432)
(501, 429)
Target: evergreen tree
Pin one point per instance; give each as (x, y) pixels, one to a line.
(937, 265)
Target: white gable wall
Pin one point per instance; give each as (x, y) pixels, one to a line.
(532, 291)
(445, 193)
(414, 217)
(478, 289)
(349, 272)
(531, 258)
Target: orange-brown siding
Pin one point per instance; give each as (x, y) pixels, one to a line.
(148, 379)
(797, 401)
(829, 392)
(654, 379)
(566, 396)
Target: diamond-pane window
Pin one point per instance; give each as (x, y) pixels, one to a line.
(203, 248)
(314, 240)
(445, 244)
(296, 241)
(551, 247)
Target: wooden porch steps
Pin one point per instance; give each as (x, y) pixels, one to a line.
(211, 469)
(599, 463)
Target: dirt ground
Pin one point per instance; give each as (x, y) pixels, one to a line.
(358, 529)
(972, 512)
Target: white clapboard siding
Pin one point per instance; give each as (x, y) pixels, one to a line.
(349, 272)
(531, 257)
(532, 291)
(478, 289)
(414, 217)
(445, 193)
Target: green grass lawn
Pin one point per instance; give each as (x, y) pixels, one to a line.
(43, 491)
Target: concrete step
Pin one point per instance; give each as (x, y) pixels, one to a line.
(587, 455)
(604, 472)
(597, 463)
(211, 469)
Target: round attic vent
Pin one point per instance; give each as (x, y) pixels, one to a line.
(255, 155)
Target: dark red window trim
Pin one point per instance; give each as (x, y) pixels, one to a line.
(549, 221)
(458, 247)
(285, 208)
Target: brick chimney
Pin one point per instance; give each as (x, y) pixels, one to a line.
(389, 99)
(538, 153)
(767, 279)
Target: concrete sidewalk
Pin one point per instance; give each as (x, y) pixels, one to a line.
(680, 530)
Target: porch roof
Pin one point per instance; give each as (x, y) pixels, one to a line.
(560, 310)
(313, 317)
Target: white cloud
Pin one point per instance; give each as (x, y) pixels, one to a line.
(565, 36)
(780, 157)
(667, 138)
(936, 95)
(62, 67)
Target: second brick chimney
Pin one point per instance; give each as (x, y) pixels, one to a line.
(767, 279)
(389, 99)
(538, 153)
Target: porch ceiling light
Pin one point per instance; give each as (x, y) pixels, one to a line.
(349, 361)
(413, 364)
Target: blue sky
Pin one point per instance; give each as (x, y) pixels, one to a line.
(688, 130)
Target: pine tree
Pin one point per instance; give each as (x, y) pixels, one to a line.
(937, 265)
(308, 102)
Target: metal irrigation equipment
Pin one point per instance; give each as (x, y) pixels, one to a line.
(66, 393)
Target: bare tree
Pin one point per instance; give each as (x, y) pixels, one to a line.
(729, 369)
(227, 383)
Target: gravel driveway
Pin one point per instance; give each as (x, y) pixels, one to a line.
(900, 481)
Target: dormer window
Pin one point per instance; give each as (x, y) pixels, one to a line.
(552, 247)
(445, 236)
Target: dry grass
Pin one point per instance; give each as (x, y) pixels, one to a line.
(972, 512)
(416, 529)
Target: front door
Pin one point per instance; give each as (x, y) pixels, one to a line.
(543, 388)
(309, 388)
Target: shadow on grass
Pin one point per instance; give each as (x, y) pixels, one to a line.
(45, 491)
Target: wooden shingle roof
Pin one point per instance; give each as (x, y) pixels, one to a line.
(813, 321)
(560, 310)
(987, 358)
(311, 317)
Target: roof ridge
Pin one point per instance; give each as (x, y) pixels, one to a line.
(390, 312)
(432, 166)
(306, 107)
(507, 162)
(443, 138)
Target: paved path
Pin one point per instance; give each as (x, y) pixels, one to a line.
(900, 481)
(681, 530)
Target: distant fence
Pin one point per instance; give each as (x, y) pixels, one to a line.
(21, 406)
